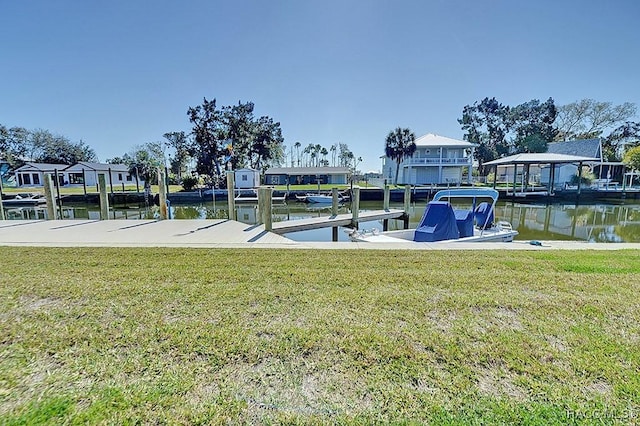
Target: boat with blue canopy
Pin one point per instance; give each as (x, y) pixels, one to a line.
(445, 221)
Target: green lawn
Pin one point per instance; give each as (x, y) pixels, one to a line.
(195, 336)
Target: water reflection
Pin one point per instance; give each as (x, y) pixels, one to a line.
(594, 222)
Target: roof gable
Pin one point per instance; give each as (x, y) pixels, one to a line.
(433, 140)
(41, 167)
(102, 167)
(580, 147)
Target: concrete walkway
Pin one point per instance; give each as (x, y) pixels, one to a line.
(221, 234)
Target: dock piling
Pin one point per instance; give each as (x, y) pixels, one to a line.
(162, 193)
(265, 194)
(104, 198)
(231, 184)
(355, 206)
(407, 205)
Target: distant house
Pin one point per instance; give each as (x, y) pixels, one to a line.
(307, 175)
(32, 174)
(582, 148)
(247, 178)
(85, 173)
(437, 160)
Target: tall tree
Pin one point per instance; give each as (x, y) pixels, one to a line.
(182, 152)
(632, 158)
(500, 129)
(297, 145)
(486, 123)
(587, 118)
(615, 144)
(266, 144)
(208, 137)
(238, 127)
(400, 144)
(144, 160)
(532, 125)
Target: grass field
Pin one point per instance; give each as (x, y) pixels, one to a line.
(195, 336)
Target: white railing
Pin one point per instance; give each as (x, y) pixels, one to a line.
(431, 161)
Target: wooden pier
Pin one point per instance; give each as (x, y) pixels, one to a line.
(335, 221)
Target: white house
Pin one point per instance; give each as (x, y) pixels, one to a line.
(32, 174)
(247, 178)
(307, 175)
(84, 173)
(437, 160)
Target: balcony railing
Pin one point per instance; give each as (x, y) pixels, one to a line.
(437, 161)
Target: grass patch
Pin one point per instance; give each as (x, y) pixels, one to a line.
(198, 336)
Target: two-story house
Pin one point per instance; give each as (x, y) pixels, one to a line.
(437, 160)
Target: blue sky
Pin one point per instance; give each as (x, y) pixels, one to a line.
(118, 73)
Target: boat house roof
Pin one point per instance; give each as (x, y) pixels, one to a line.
(581, 147)
(540, 158)
(308, 171)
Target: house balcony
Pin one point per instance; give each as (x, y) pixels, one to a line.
(438, 162)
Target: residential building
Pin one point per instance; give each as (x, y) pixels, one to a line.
(85, 173)
(307, 175)
(32, 174)
(437, 160)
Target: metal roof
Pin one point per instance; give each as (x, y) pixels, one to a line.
(308, 171)
(586, 147)
(42, 167)
(541, 158)
(433, 140)
(98, 167)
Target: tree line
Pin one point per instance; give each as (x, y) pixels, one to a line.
(18, 145)
(501, 130)
(221, 137)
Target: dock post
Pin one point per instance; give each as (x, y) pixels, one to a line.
(385, 206)
(334, 202)
(48, 193)
(387, 197)
(407, 205)
(264, 207)
(355, 206)
(162, 193)
(231, 195)
(1, 196)
(104, 198)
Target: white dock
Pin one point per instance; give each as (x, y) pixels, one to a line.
(222, 234)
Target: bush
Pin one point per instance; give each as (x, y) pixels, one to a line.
(586, 179)
(189, 182)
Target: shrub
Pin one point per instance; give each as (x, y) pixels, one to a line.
(189, 182)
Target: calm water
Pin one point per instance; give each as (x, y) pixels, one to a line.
(592, 222)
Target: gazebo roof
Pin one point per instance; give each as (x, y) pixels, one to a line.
(541, 158)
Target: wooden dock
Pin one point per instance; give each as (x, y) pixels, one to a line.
(345, 219)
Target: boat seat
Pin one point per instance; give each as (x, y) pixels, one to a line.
(484, 215)
(464, 221)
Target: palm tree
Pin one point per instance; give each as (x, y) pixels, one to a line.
(400, 144)
(324, 153)
(298, 145)
(317, 149)
(333, 150)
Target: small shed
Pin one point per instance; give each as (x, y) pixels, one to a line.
(247, 178)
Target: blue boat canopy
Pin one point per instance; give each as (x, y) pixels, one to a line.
(438, 223)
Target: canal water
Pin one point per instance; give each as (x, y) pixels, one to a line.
(611, 223)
